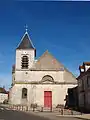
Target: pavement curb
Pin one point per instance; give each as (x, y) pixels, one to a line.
(73, 116)
(82, 118)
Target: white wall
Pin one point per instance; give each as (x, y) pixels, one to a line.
(20, 53)
(59, 93)
(36, 93)
(38, 75)
(16, 93)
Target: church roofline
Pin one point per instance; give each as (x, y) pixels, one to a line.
(29, 39)
(26, 33)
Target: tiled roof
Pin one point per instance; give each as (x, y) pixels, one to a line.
(2, 90)
(81, 66)
(26, 42)
(84, 73)
(86, 63)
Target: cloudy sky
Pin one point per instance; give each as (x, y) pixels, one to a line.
(61, 27)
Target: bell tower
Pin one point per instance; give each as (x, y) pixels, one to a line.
(25, 53)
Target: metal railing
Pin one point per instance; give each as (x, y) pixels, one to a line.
(61, 111)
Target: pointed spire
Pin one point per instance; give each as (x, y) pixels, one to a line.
(26, 28)
(26, 42)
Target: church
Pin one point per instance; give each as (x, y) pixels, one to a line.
(43, 81)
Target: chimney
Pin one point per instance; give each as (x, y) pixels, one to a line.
(81, 69)
(86, 66)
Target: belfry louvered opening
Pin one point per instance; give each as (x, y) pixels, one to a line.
(25, 61)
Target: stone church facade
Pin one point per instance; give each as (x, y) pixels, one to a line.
(43, 82)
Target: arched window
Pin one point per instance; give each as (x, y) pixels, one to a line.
(25, 62)
(47, 78)
(24, 93)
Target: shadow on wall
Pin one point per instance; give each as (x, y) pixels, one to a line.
(72, 101)
(72, 98)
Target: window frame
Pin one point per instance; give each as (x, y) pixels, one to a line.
(24, 62)
(24, 91)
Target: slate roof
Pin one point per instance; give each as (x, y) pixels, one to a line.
(26, 42)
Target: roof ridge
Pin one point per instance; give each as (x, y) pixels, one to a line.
(25, 43)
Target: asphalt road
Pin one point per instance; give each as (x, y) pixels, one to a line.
(7, 114)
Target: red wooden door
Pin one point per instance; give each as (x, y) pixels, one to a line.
(47, 98)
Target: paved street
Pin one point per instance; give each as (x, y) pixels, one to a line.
(6, 114)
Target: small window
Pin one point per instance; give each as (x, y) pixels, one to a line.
(25, 62)
(24, 93)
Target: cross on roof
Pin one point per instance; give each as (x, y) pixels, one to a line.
(26, 27)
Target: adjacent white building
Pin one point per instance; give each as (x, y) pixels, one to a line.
(3, 95)
(43, 81)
